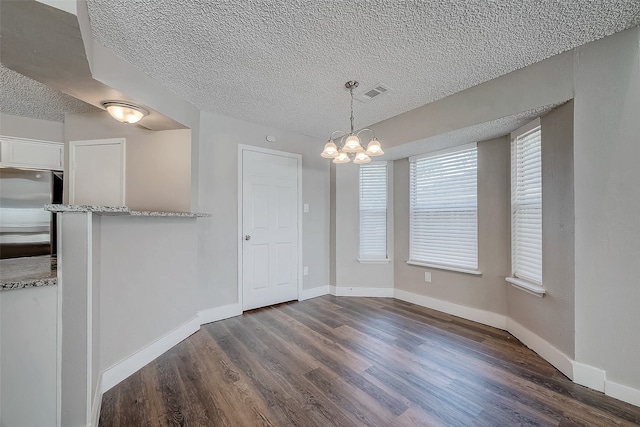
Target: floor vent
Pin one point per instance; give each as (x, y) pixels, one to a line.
(373, 92)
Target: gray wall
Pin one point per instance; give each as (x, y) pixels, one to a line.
(158, 164)
(218, 194)
(26, 127)
(349, 271)
(552, 317)
(486, 291)
(607, 206)
(148, 282)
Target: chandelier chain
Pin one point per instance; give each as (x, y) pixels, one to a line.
(351, 92)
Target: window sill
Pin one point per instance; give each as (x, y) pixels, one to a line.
(444, 267)
(526, 286)
(373, 261)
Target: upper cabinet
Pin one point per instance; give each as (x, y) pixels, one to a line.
(31, 153)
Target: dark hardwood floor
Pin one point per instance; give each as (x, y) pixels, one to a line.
(353, 362)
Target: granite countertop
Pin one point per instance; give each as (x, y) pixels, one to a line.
(28, 272)
(121, 211)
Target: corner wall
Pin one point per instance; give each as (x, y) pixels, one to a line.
(607, 210)
(349, 271)
(552, 317)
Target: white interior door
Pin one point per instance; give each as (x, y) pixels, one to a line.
(270, 245)
(97, 172)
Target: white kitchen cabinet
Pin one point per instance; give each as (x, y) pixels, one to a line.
(31, 153)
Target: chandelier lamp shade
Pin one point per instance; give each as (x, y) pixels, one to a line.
(125, 112)
(349, 146)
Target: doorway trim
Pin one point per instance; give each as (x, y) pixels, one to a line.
(298, 157)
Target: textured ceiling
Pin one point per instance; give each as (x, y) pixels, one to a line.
(21, 96)
(284, 62)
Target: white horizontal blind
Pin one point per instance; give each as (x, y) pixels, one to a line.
(373, 211)
(444, 209)
(526, 206)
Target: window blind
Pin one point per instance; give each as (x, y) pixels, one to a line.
(526, 206)
(444, 209)
(373, 211)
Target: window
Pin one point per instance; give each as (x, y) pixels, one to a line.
(373, 212)
(526, 208)
(444, 209)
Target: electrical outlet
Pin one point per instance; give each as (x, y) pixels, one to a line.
(305, 271)
(427, 276)
(305, 207)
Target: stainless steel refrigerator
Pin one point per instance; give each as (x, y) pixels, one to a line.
(26, 229)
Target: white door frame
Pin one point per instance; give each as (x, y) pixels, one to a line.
(298, 157)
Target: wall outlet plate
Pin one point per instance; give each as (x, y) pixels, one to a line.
(427, 276)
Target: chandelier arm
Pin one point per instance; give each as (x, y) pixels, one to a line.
(373, 134)
(334, 132)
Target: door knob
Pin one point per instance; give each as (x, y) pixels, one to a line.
(247, 237)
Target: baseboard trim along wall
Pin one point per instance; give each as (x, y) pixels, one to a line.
(589, 376)
(561, 361)
(122, 370)
(313, 292)
(580, 373)
(219, 313)
(481, 316)
(96, 404)
(353, 291)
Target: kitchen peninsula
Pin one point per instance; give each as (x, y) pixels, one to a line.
(128, 292)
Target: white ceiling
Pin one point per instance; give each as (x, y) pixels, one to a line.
(283, 63)
(22, 96)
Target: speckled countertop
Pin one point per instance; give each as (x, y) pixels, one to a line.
(28, 272)
(121, 211)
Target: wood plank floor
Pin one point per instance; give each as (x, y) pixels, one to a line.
(354, 362)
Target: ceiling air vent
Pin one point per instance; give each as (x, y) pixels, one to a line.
(375, 91)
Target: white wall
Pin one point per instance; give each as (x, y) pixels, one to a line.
(28, 357)
(158, 164)
(218, 194)
(607, 206)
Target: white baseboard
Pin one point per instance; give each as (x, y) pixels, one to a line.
(622, 392)
(353, 291)
(557, 358)
(589, 376)
(313, 292)
(96, 404)
(219, 313)
(118, 372)
(481, 316)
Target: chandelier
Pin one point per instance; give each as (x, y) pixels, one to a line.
(350, 146)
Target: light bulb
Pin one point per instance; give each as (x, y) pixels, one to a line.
(124, 112)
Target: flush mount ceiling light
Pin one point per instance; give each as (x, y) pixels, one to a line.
(350, 146)
(125, 112)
